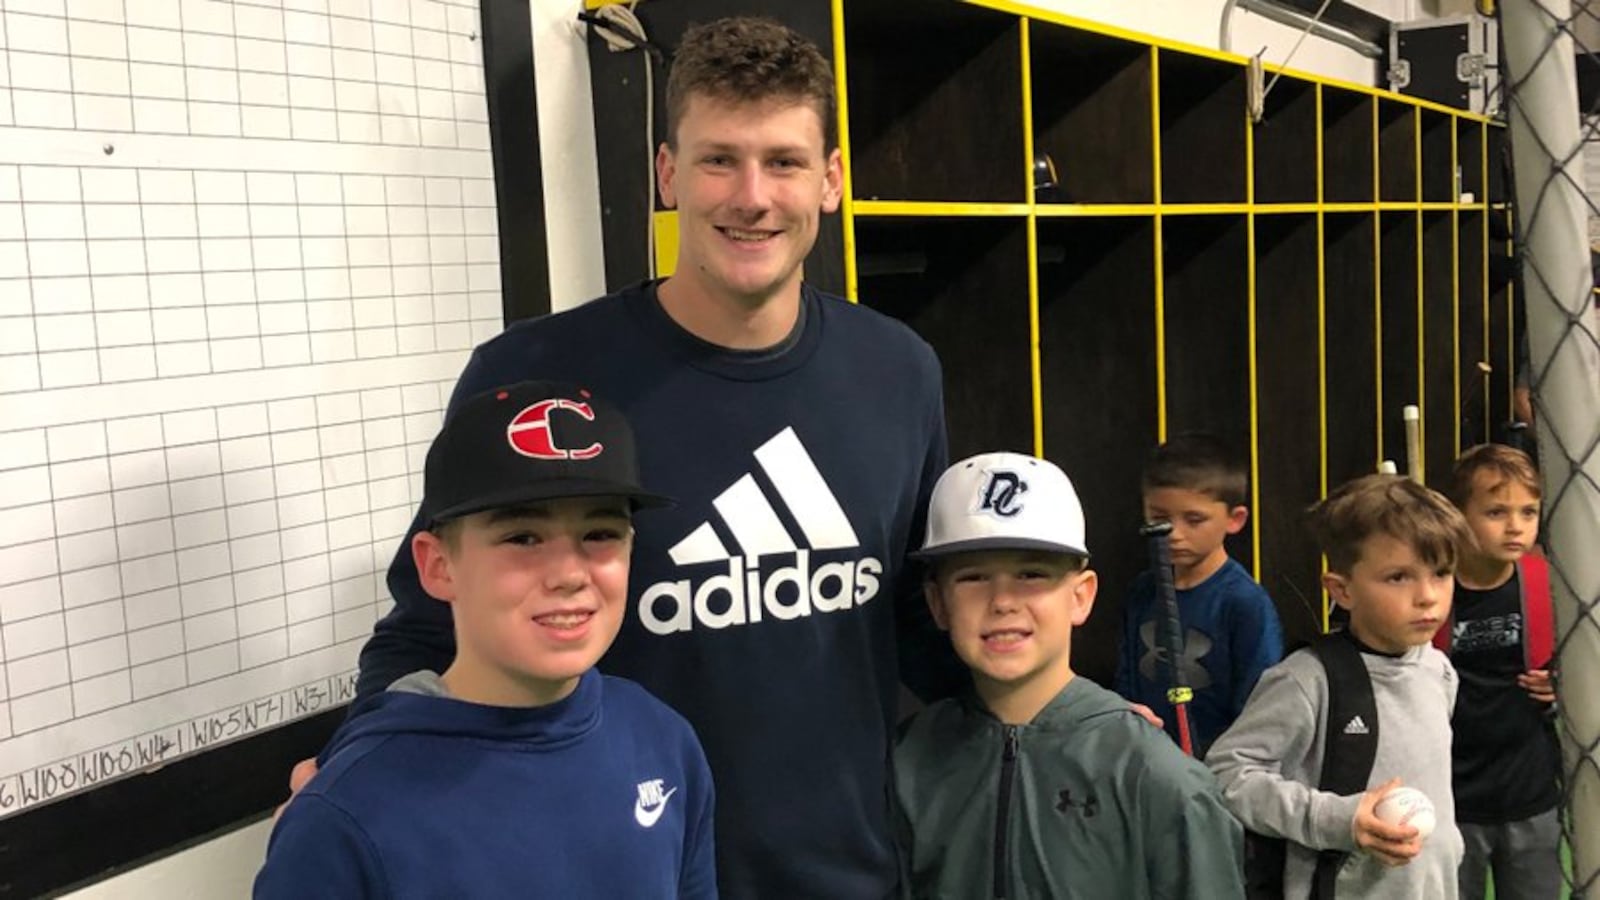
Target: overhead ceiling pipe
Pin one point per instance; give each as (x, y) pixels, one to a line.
(1295, 19)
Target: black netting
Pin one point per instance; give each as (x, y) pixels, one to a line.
(1550, 218)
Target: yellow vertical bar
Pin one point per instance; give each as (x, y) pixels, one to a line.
(1377, 275)
(1421, 474)
(847, 216)
(1033, 335)
(1511, 338)
(1161, 265)
(1483, 308)
(1035, 365)
(1322, 330)
(1455, 281)
(1322, 310)
(664, 224)
(1250, 340)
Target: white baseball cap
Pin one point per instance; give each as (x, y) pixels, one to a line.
(1004, 501)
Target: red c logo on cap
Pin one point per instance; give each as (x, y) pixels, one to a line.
(529, 433)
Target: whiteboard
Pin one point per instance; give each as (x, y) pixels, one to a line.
(245, 248)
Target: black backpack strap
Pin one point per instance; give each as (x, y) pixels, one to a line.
(1351, 744)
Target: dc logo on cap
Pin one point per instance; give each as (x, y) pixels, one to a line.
(529, 433)
(1001, 494)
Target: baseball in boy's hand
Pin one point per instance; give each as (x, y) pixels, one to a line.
(1390, 844)
(1407, 806)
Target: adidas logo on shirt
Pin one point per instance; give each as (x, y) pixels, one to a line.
(1356, 726)
(743, 594)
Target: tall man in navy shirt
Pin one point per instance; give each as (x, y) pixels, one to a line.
(801, 435)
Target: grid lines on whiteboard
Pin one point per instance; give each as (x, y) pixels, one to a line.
(396, 72)
(121, 274)
(245, 246)
(143, 555)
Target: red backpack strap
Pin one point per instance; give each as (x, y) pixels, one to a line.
(1538, 622)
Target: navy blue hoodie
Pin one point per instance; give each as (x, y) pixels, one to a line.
(768, 604)
(604, 794)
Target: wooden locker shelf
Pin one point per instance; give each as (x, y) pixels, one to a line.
(1438, 158)
(1294, 282)
(1472, 327)
(1097, 286)
(1400, 342)
(1289, 399)
(1398, 153)
(1497, 164)
(1348, 134)
(1285, 145)
(902, 142)
(1090, 100)
(1202, 135)
(1440, 368)
(963, 284)
(1206, 282)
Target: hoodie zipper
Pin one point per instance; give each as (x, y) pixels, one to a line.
(1002, 817)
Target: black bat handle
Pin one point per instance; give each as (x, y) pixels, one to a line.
(1169, 631)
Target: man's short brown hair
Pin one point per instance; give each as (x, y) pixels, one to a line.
(1391, 505)
(1508, 464)
(1202, 463)
(747, 60)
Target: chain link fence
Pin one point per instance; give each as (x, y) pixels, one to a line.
(1546, 43)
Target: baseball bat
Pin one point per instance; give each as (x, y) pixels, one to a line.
(1169, 631)
(1413, 419)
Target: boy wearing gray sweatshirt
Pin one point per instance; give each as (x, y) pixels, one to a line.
(1392, 549)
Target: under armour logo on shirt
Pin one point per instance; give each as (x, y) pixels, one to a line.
(1088, 806)
(1195, 647)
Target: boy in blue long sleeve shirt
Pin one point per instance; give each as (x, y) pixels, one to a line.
(1231, 632)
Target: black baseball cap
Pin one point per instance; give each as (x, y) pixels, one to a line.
(526, 442)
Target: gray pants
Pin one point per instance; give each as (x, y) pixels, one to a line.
(1525, 857)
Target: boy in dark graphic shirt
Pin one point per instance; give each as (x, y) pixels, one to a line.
(1505, 755)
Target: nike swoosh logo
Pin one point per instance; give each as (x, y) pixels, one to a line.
(649, 817)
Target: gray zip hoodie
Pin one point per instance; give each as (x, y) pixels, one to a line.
(1086, 802)
(1269, 760)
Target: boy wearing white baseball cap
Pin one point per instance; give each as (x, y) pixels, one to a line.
(1038, 783)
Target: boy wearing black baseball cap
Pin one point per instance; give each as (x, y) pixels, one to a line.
(1039, 783)
(521, 770)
